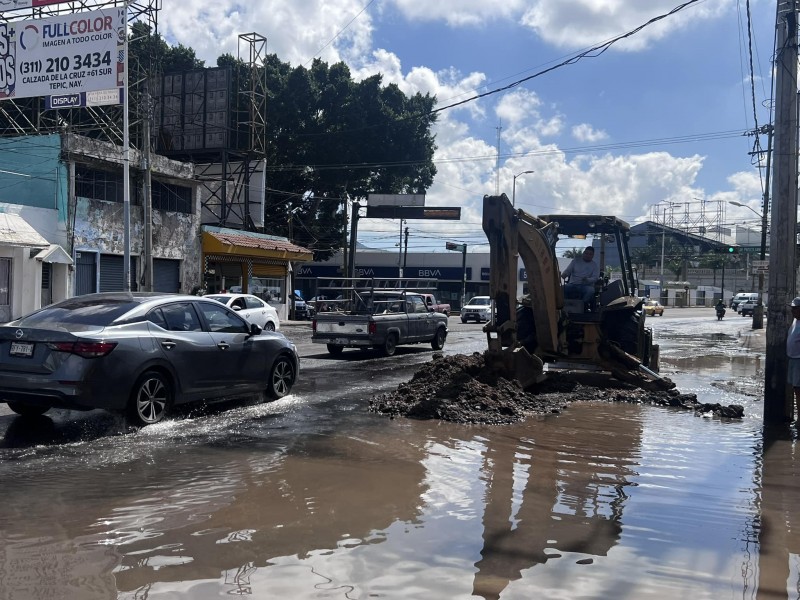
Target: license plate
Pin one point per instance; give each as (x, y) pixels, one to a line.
(21, 349)
(340, 341)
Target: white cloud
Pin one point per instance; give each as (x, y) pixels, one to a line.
(583, 23)
(296, 30)
(460, 12)
(586, 133)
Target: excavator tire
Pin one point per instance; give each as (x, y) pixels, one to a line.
(625, 330)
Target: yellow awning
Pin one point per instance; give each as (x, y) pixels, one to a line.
(232, 242)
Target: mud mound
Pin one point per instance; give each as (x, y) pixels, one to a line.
(461, 389)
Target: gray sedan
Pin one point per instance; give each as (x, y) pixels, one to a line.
(141, 353)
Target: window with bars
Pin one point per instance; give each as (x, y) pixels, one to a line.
(97, 184)
(171, 197)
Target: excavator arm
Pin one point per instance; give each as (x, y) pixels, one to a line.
(520, 349)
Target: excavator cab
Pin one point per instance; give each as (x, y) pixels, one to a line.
(543, 327)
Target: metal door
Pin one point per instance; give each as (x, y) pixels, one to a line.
(85, 273)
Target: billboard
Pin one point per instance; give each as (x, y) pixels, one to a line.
(66, 54)
(20, 4)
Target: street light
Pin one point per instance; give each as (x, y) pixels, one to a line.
(758, 311)
(514, 187)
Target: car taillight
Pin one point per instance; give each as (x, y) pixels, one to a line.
(373, 328)
(84, 349)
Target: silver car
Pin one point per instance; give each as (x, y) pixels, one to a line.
(139, 353)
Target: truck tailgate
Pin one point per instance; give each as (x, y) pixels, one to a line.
(342, 326)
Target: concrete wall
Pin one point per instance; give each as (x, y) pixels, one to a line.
(99, 225)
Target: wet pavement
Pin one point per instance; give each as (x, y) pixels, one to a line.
(314, 497)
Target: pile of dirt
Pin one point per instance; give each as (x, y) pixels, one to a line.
(460, 388)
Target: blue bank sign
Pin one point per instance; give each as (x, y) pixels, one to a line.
(439, 273)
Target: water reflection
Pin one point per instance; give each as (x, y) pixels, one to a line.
(779, 516)
(301, 500)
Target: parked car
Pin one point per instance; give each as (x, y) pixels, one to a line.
(302, 310)
(139, 353)
(478, 308)
(653, 308)
(433, 304)
(747, 307)
(252, 308)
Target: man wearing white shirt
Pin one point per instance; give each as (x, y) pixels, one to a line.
(582, 273)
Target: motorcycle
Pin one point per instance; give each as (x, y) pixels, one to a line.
(720, 313)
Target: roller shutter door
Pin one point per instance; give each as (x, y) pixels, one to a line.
(111, 275)
(166, 275)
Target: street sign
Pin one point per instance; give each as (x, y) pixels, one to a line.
(396, 199)
(414, 212)
(759, 264)
(454, 246)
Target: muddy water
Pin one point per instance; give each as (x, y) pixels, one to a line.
(307, 499)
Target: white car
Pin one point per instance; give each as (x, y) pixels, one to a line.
(478, 308)
(251, 308)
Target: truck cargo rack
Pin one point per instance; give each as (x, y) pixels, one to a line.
(356, 295)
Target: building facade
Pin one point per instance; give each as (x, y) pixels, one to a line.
(62, 228)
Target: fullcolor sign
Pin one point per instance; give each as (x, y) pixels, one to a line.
(64, 55)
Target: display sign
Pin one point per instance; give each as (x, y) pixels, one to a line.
(63, 55)
(80, 99)
(20, 4)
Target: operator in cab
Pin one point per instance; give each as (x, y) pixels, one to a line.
(581, 275)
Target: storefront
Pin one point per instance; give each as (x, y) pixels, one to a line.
(249, 262)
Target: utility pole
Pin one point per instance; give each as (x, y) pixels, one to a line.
(350, 267)
(147, 201)
(405, 251)
(758, 311)
(778, 401)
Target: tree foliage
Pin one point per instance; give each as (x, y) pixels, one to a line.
(338, 139)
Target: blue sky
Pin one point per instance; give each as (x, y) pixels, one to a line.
(659, 117)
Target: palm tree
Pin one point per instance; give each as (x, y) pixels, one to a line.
(574, 253)
(643, 258)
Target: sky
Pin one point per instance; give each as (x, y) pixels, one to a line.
(660, 123)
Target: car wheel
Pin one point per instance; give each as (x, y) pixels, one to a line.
(151, 399)
(463, 321)
(28, 410)
(269, 326)
(281, 378)
(437, 343)
(335, 349)
(390, 345)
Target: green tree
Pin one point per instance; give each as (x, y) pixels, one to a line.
(645, 257)
(339, 139)
(572, 253)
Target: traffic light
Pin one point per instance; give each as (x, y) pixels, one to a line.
(732, 249)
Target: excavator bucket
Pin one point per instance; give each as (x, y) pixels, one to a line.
(629, 369)
(516, 364)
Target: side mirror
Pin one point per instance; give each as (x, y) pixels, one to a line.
(255, 329)
(236, 307)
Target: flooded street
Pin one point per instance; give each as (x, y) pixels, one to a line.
(314, 497)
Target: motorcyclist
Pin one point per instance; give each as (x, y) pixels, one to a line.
(720, 308)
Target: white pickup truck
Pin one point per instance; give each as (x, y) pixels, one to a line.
(381, 320)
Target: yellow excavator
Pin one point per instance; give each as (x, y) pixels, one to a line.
(541, 326)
